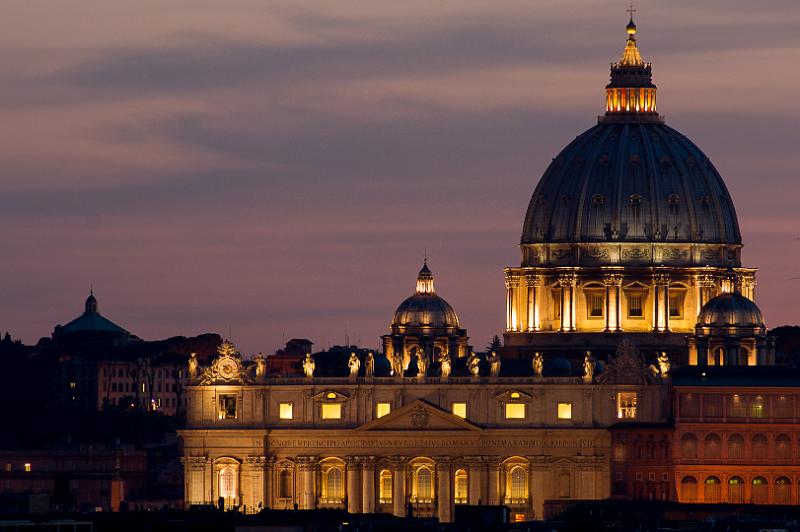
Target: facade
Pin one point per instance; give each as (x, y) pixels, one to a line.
(630, 268)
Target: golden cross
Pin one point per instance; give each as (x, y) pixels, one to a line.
(631, 10)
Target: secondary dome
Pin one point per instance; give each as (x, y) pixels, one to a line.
(425, 308)
(632, 179)
(730, 310)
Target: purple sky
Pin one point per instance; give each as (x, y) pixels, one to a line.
(278, 168)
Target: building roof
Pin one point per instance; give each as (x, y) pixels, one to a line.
(742, 376)
(91, 320)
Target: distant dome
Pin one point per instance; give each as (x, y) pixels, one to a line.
(425, 308)
(730, 310)
(560, 367)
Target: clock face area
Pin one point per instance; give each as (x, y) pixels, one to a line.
(227, 369)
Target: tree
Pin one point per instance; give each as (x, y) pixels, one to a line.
(494, 344)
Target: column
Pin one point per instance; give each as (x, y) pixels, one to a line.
(655, 307)
(494, 466)
(308, 495)
(269, 478)
(353, 485)
(476, 473)
(540, 481)
(572, 320)
(608, 306)
(532, 282)
(368, 495)
(508, 301)
(253, 480)
(666, 305)
(514, 305)
(618, 302)
(613, 283)
(444, 496)
(399, 486)
(567, 282)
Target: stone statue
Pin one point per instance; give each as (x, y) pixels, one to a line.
(354, 364)
(538, 364)
(588, 367)
(397, 365)
(422, 363)
(369, 365)
(309, 365)
(663, 364)
(447, 364)
(194, 366)
(474, 365)
(261, 366)
(494, 364)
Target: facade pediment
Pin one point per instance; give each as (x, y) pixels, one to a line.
(419, 415)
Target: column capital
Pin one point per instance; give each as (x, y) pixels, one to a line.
(306, 463)
(512, 280)
(256, 461)
(352, 461)
(705, 280)
(661, 278)
(532, 279)
(196, 462)
(612, 279)
(567, 278)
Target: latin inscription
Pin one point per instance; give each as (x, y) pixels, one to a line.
(443, 443)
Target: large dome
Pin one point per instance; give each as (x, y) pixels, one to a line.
(634, 182)
(425, 308)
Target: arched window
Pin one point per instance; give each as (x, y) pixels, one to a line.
(461, 487)
(423, 484)
(744, 356)
(688, 489)
(711, 446)
(783, 490)
(333, 485)
(517, 485)
(712, 489)
(783, 447)
(689, 446)
(760, 447)
(736, 446)
(735, 490)
(228, 488)
(760, 490)
(385, 486)
(285, 484)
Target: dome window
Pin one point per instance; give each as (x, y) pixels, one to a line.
(604, 160)
(635, 199)
(672, 199)
(598, 200)
(634, 160)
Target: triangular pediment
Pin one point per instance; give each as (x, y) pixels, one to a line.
(419, 415)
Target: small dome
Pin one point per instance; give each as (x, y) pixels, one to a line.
(91, 304)
(730, 310)
(560, 367)
(425, 308)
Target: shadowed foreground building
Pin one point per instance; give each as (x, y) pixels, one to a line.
(631, 248)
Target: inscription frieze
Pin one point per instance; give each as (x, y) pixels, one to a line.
(430, 442)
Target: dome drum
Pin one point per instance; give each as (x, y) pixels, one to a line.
(628, 253)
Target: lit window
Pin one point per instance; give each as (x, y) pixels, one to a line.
(515, 410)
(757, 408)
(385, 487)
(515, 395)
(461, 487)
(635, 304)
(228, 486)
(422, 487)
(227, 406)
(381, 409)
(676, 303)
(460, 410)
(27, 467)
(286, 410)
(72, 385)
(564, 410)
(332, 411)
(330, 395)
(626, 405)
(595, 301)
(333, 485)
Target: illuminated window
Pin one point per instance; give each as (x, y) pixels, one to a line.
(564, 411)
(782, 407)
(332, 411)
(595, 303)
(381, 409)
(515, 410)
(461, 487)
(460, 410)
(228, 486)
(333, 485)
(330, 395)
(385, 487)
(27, 467)
(227, 406)
(515, 395)
(676, 298)
(423, 485)
(738, 406)
(286, 410)
(626, 405)
(757, 408)
(635, 304)
(517, 490)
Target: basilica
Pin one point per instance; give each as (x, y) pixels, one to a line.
(630, 331)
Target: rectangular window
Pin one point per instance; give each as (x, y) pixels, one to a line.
(738, 406)
(712, 405)
(27, 467)
(286, 411)
(676, 303)
(635, 304)
(459, 409)
(557, 304)
(595, 303)
(626, 405)
(227, 406)
(381, 409)
(331, 411)
(515, 410)
(689, 405)
(564, 411)
(783, 407)
(757, 407)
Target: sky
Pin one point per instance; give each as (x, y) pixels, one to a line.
(270, 170)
